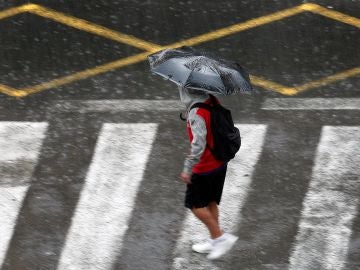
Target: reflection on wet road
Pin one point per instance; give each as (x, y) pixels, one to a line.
(91, 144)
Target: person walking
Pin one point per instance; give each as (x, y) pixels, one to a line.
(204, 175)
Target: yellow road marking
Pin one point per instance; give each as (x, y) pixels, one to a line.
(258, 81)
(332, 14)
(238, 27)
(87, 73)
(151, 47)
(93, 28)
(328, 80)
(132, 60)
(263, 83)
(12, 91)
(12, 12)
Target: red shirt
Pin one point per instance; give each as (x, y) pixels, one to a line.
(207, 161)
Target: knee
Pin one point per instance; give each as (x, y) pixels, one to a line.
(200, 212)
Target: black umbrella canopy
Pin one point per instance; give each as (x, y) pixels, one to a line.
(200, 70)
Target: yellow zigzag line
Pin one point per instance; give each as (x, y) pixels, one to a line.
(151, 47)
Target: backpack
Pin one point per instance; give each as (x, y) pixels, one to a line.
(227, 139)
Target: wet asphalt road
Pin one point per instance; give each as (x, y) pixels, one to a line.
(291, 52)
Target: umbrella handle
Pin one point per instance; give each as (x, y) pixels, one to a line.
(182, 117)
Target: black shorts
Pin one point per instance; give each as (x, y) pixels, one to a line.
(205, 188)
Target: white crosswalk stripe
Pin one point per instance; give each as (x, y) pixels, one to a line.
(105, 206)
(20, 143)
(143, 105)
(237, 183)
(107, 199)
(311, 104)
(331, 202)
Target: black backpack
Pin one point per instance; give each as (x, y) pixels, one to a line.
(227, 140)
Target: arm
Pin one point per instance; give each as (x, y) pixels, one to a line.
(198, 144)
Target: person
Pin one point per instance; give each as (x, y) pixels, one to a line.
(204, 176)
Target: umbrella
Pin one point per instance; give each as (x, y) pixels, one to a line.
(200, 70)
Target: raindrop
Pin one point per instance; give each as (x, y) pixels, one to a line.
(316, 49)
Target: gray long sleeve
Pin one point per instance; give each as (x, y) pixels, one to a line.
(198, 144)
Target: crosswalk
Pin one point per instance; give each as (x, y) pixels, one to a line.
(330, 204)
(101, 217)
(20, 144)
(107, 198)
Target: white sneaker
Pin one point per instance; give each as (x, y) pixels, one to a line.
(204, 247)
(222, 245)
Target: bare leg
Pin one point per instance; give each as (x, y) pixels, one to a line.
(206, 217)
(213, 207)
